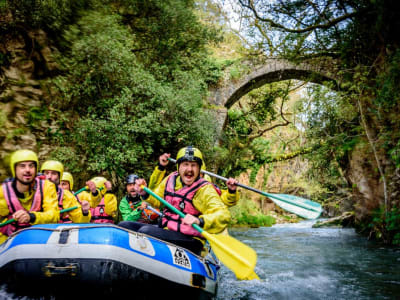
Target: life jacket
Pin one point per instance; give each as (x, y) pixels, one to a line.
(217, 189)
(64, 217)
(14, 204)
(99, 215)
(147, 216)
(182, 200)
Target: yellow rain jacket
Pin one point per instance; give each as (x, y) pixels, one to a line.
(110, 204)
(215, 214)
(94, 200)
(76, 215)
(50, 213)
(156, 177)
(229, 199)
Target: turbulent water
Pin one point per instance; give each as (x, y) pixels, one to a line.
(296, 261)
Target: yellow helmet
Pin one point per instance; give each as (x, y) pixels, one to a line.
(189, 153)
(68, 177)
(20, 156)
(99, 182)
(53, 165)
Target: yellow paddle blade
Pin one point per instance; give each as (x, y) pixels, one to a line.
(236, 256)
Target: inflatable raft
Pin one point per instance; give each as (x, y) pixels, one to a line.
(106, 258)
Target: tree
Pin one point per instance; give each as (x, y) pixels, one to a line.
(361, 36)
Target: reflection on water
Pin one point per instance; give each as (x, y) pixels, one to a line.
(296, 261)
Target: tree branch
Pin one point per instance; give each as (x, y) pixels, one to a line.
(272, 23)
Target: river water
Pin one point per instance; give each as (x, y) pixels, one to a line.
(296, 261)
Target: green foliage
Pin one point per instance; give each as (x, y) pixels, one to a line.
(52, 16)
(247, 214)
(37, 114)
(133, 105)
(385, 227)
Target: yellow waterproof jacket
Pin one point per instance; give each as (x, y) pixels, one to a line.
(49, 214)
(94, 200)
(110, 204)
(214, 212)
(156, 178)
(229, 199)
(76, 215)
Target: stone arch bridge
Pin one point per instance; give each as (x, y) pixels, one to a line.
(271, 70)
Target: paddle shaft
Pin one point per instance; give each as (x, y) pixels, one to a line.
(253, 189)
(84, 189)
(61, 211)
(153, 210)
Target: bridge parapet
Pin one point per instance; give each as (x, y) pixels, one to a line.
(272, 70)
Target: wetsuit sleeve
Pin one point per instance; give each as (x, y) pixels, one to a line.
(229, 199)
(156, 177)
(110, 204)
(50, 213)
(215, 213)
(127, 213)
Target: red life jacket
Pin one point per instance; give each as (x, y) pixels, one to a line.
(14, 204)
(99, 215)
(182, 200)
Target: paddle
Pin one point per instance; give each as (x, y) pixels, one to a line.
(85, 188)
(235, 255)
(153, 209)
(300, 206)
(61, 211)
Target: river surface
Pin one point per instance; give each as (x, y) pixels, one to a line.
(296, 261)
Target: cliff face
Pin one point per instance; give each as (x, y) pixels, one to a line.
(23, 111)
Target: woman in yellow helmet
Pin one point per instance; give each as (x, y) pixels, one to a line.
(104, 204)
(67, 182)
(54, 171)
(27, 199)
(194, 196)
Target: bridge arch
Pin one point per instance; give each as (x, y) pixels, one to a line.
(272, 70)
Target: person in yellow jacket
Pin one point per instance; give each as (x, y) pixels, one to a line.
(194, 196)
(26, 198)
(229, 196)
(54, 171)
(67, 182)
(104, 204)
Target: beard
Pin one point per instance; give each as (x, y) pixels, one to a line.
(26, 182)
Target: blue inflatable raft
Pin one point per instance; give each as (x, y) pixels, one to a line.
(104, 258)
